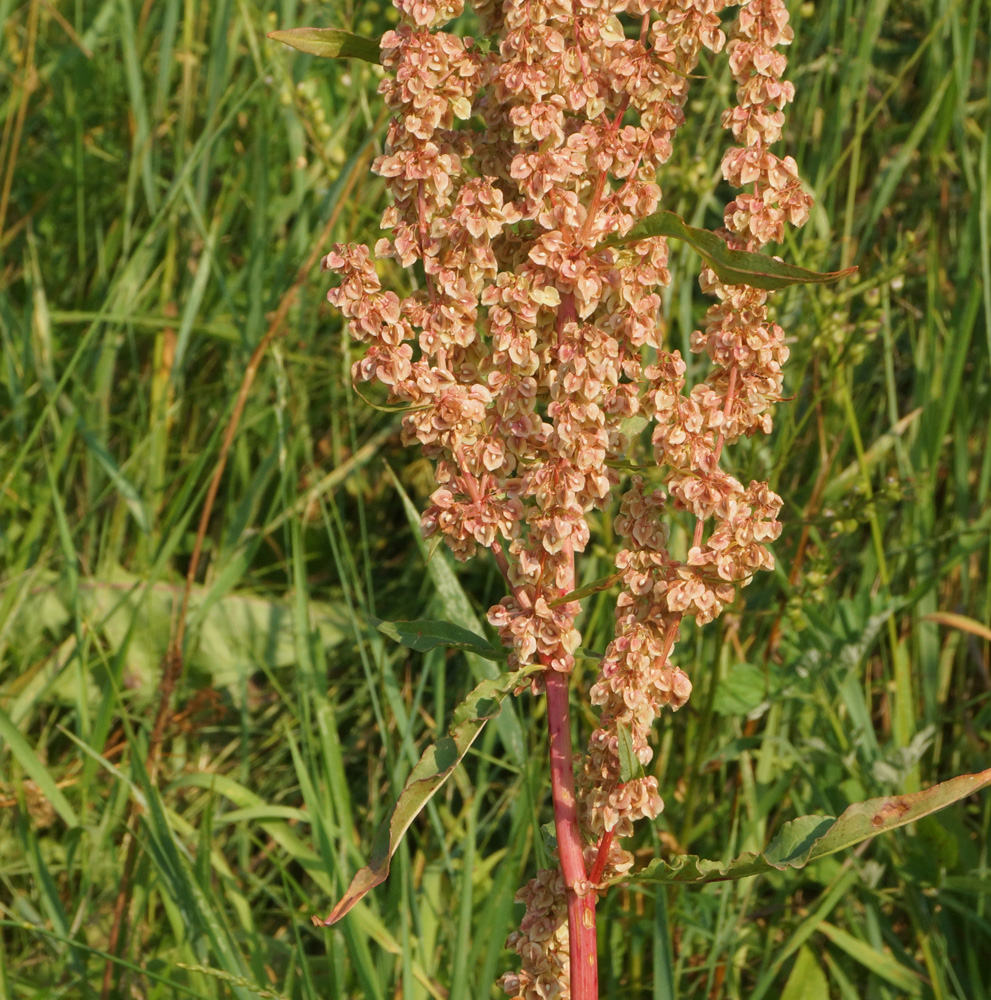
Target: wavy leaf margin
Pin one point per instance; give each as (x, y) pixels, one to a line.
(809, 838)
(434, 767)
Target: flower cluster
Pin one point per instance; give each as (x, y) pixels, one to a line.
(531, 344)
(542, 938)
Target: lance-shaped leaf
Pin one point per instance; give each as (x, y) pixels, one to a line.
(431, 771)
(424, 634)
(603, 583)
(809, 838)
(734, 267)
(329, 43)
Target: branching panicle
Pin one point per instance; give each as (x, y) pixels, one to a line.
(531, 346)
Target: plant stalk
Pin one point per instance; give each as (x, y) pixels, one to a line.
(581, 899)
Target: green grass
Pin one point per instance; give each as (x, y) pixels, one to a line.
(165, 172)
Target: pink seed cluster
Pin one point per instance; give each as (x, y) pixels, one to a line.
(530, 346)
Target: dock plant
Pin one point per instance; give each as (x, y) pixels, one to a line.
(526, 173)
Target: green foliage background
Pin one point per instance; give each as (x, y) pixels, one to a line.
(166, 171)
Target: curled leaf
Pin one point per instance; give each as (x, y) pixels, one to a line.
(733, 267)
(809, 838)
(431, 771)
(329, 43)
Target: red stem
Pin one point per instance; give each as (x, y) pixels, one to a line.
(602, 857)
(581, 901)
(582, 943)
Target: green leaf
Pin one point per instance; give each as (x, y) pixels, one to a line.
(880, 963)
(733, 267)
(741, 691)
(122, 484)
(458, 608)
(581, 653)
(809, 838)
(200, 914)
(603, 583)
(33, 767)
(807, 980)
(387, 407)
(232, 634)
(625, 466)
(424, 634)
(431, 771)
(329, 43)
(630, 767)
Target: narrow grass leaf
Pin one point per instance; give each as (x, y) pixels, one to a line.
(874, 457)
(141, 970)
(807, 980)
(434, 768)
(200, 911)
(880, 963)
(34, 768)
(840, 889)
(265, 812)
(962, 622)
(368, 926)
(662, 952)
(122, 484)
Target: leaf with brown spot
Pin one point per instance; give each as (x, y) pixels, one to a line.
(809, 838)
